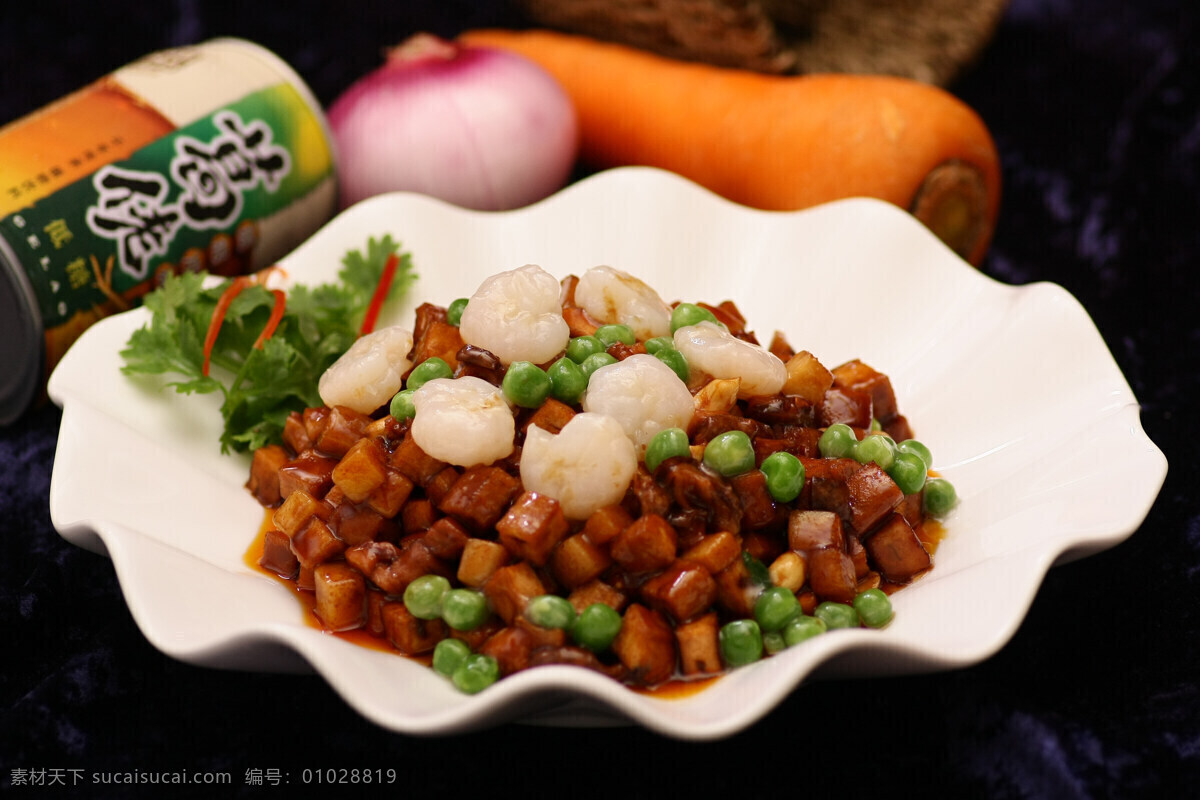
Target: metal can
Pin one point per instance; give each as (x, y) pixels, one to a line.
(209, 157)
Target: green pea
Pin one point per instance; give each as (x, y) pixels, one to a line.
(940, 496)
(428, 370)
(611, 334)
(917, 448)
(775, 607)
(837, 441)
(567, 381)
(550, 611)
(464, 609)
(741, 642)
(448, 656)
(908, 471)
(836, 615)
(773, 642)
(802, 628)
(675, 360)
(594, 362)
(665, 444)
(874, 608)
(686, 314)
(785, 476)
(423, 597)
(877, 447)
(729, 453)
(476, 673)
(596, 627)
(654, 345)
(454, 311)
(579, 348)
(402, 405)
(525, 384)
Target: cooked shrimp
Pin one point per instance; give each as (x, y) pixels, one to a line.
(586, 466)
(516, 315)
(463, 421)
(641, 393)
(611, 296)
(715, 351)
(368, 374)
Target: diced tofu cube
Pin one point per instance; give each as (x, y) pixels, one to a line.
(807, 377)
(414, 463)
(715, 551)
(532, 526)
(437, 487)
(681, 591)
(264, 474)
(295, 435)
(597, 592)
(699, 647)
(390, 496)
(315, 543)
(309, 472)
(647, 545)
(277, 555)
(831, 575)
(345, 427)
(552, 415)
(604, 524)
(645, 646)
(511, 647)
(842, 404)
(357, 523)
(361, 471)
(857, 375)
(480, 496)
(813, 530)
(510, 589)
(577, 561)
(896, 551)
(417, 514)
(341, 596)
(297, 510)
(408, 634)
(480, 559)
(872, 496)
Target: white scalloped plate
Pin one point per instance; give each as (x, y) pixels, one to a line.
(1012, 388)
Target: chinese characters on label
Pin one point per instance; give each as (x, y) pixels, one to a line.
(133, 208)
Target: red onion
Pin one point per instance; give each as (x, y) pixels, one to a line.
(477, 127)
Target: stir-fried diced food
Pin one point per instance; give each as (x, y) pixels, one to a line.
(575, 472)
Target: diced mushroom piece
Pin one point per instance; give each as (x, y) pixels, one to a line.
(264, 474)
(309, 472)
(577, 561)
(813, 530)
(414, 463)
(842, 404)
(651, 496)
(480, 496)
(511, 647)
(704, 428)
(277, 555)
(857, 375)
(315, 543)
(831, 575)
(715, 551)
(480, 559)
(736, 590)
(476, 362)
(345, 427)
(646, 646)
(597, 592)
(647, 545)
(699, 647)
(411, 635)
(695, 489)
(807, 377)
(341, 596)
(510, 588)
(682, 591)
(362, 470)
(551, 415)
(392, 567)
(896, 551)
(790, 571)
(872, 496)
(532, 526)
(389, 497)
(297, 510)
(782, 409)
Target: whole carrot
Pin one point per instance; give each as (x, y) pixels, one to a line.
(778, 142)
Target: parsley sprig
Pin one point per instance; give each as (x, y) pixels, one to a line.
(261, 386)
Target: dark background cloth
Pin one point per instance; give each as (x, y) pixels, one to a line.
(1095, 106)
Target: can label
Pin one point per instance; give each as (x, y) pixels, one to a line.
(108, 190)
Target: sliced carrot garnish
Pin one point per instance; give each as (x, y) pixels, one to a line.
(273, 320)
(234, 288)
(381, 292)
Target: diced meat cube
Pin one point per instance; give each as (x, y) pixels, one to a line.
(439, 486)
(807, 377)
(341, 596)
(315, 420)
(414, 463)
(736, 590)
(872, 496)
(699, 646)
(597, 592)
(277, 555)
(361, 471)
(912, 509)
(831, 575)
(511, 647)
(647, 545)
(552, 416)
(390, 496)
(264, 474)
(759, 509)
(446, 539)
(439, 340)
(532, 526)
(392, 567)
(681, 591)
(315, 543)
(858, 554)
(898, 428)
(345, 427)
(842, 404)
(576, 561)
(650, 496)
(646, 646)
(355, 523)
(480, 496)
(896, 551)
(694, 488)
(367, 556)
(715, 551)
(309, 472)
(857, 375)
(782, 409)
(480, 558)
(825, 484)
(510, 589)
(295, 435)
(297, 510)
(411, 635)
(814, 530)
(417, 514)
